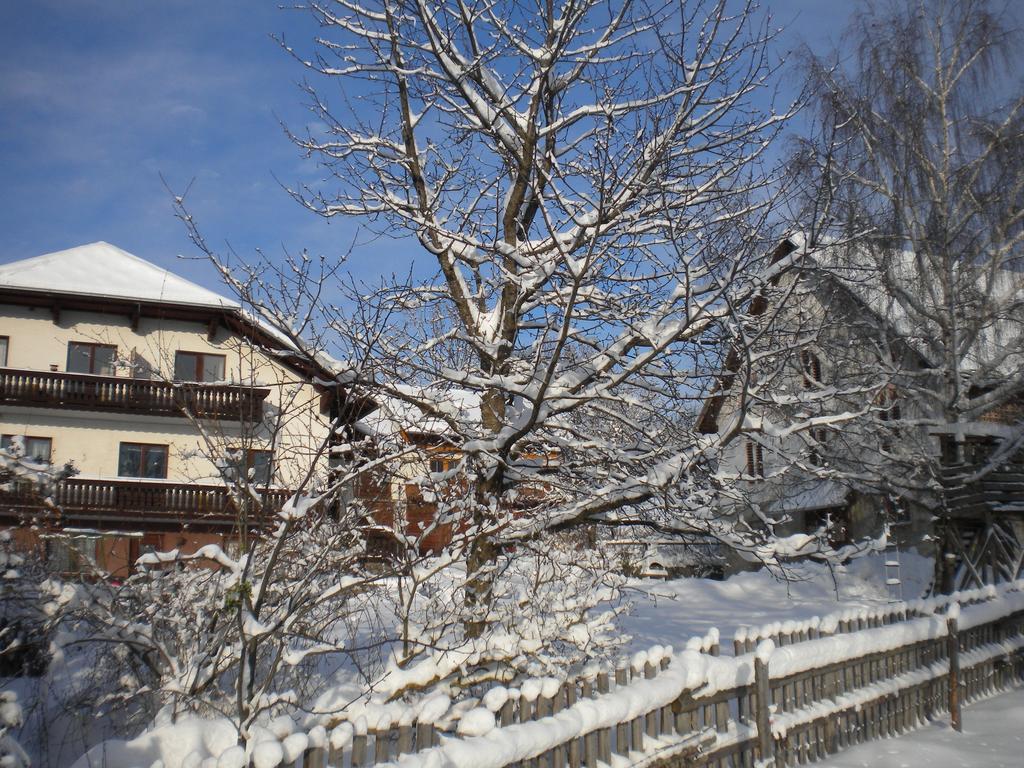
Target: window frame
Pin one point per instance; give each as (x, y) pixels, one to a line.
(49, 458)
(144, 449)
(200, 358)
(92, 346)
(6, 340)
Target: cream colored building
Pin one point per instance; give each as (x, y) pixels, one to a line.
(165, 397)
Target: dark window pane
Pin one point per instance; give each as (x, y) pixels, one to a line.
(3, 350)
(261, 467)
(185, 366)
(129, 462)
(38, 449)
(213, 368)
(103, 360)
(58, 555)
(85, 549)
(32, 448)
(79, 358)
(155, 461)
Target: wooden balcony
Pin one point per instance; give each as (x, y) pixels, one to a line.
(123, 504)
(84, 392)
(1000, 492)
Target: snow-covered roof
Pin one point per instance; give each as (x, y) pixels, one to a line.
(106, 271)
(395, 415)
(819, 494)
(866, 277)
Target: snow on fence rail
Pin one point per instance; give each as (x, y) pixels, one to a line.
(793, 693)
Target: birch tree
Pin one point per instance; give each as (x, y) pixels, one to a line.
(588, 179)
(920, 151)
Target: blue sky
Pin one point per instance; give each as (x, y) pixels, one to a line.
(100, 97)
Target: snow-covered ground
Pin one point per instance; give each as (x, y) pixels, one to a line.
(993, 737)
(671, 612)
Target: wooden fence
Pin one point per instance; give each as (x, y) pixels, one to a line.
(788, 697)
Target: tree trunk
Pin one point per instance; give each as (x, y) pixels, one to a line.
(483, 551)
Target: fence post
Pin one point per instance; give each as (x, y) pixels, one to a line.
(339, 738)
(404, 738)
(621, 731)
(574, 744)
(652, 719)
(359, 743)
(315, 755)
(953, 650)
(761, 707)
(557, 705)
(589, 739)
(425, 732)
(604, 745)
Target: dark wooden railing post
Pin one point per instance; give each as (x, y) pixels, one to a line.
(953, 650)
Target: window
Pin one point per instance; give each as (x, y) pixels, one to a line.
(198, 366)
(755, 458)
(74, 554)
(38, 449)
(4, 343)
(142, 460)
(890, 407)
(818, 439)
(86, 357)
(810, 366)
(255, 465)
(84, 551)
(146, 544)
(835, 521)
(441, 465)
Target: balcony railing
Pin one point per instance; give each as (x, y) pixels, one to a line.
(1000, 491)
(79, 391)
(126, 503)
